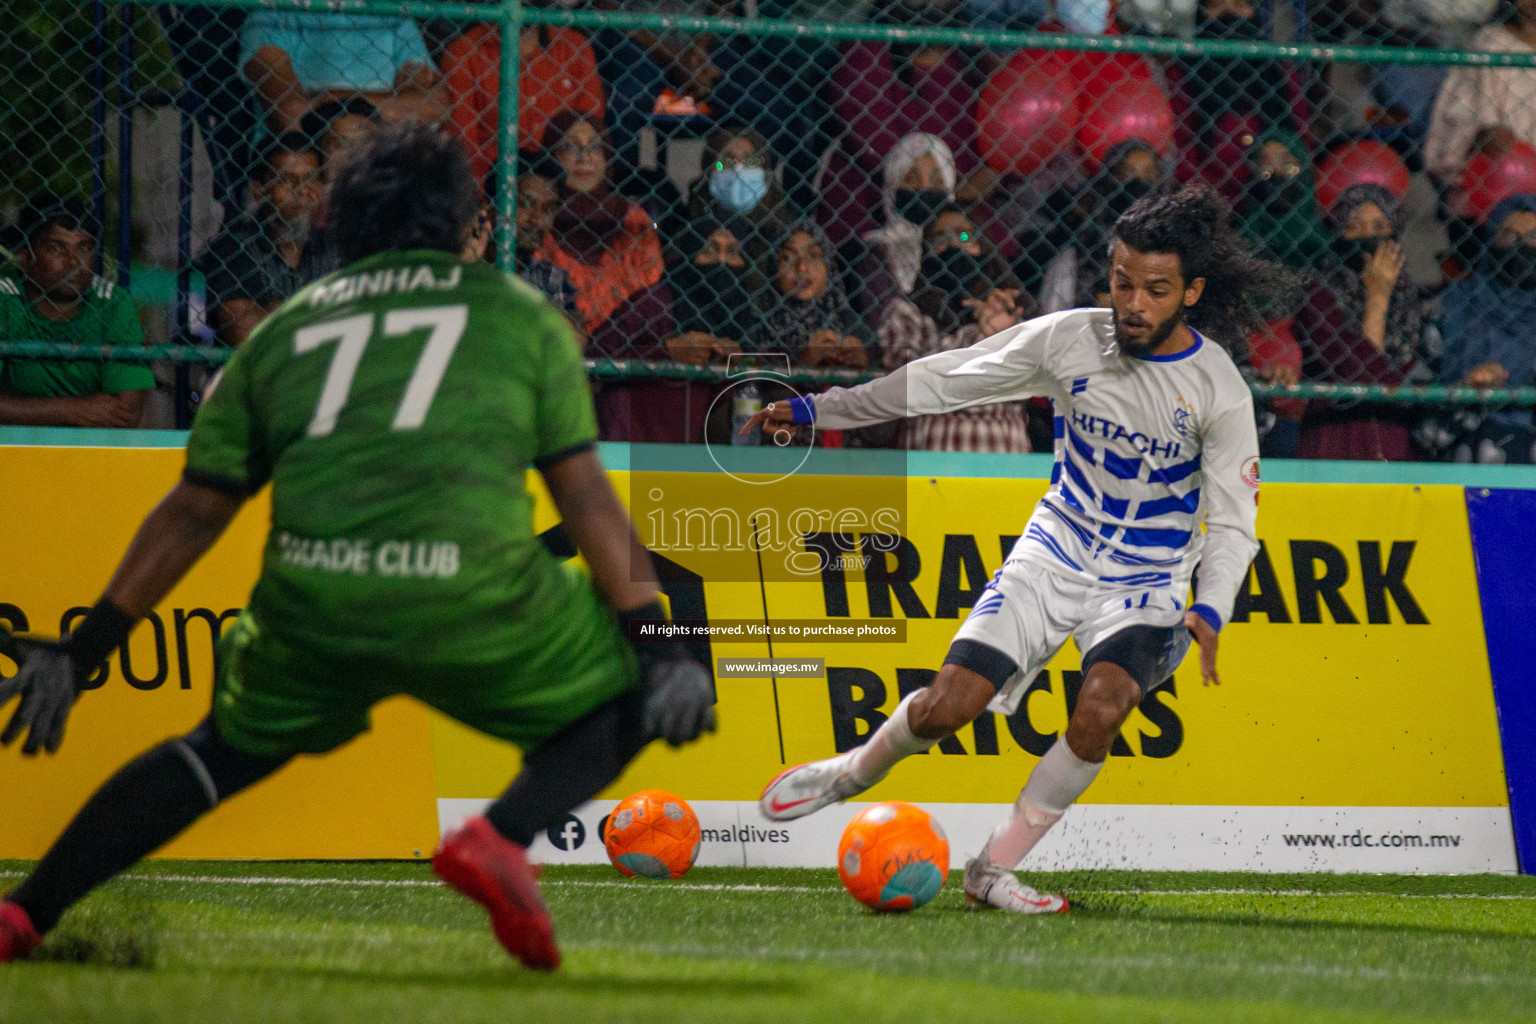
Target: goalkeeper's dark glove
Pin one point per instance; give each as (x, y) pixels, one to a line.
(680, 695)
(53, 672)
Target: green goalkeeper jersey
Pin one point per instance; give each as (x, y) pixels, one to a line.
(396, 406)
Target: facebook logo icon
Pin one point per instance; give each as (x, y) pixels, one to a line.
(567, 835)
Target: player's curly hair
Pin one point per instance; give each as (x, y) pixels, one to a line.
(406, 186)
(1193, 223)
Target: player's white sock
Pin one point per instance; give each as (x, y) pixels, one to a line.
(890, 743)
(1055, 784)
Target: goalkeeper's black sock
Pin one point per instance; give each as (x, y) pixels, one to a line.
(571, 768)
(149, 802)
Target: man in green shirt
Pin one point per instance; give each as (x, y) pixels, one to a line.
(56, 298)
(395, 407)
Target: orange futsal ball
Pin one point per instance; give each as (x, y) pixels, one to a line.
(652, 833)
(894, 856)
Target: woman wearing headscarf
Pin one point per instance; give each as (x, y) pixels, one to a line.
(880, 93)
(1489, 327)
(918, 178)
(810, 318)
(609, 248)
(737, 192)
(963, 293)
(1281, 216)
(1079, 274)
(1280, 211)
(716, 292)
(606, 244)
(1360, 324)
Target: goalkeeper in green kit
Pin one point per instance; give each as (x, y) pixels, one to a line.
(395, 406)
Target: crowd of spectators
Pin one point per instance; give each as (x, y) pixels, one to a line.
(859, 205)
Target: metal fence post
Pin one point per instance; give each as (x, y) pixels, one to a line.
(181, 320)
(125, 105)
(506, 136)
(99, 121)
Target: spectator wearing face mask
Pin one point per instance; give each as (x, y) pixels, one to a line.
(918, 180)
(1360, 324)
(963, 294)
(711, 311)
(881, 95)
(737, 192)
(715, 297)
(1078, 275)
(1280, 212)
(1280, 215)
(1489, 327)
(810, 318)
(1020, 215)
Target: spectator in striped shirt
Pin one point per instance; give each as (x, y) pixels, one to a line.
(963, 293)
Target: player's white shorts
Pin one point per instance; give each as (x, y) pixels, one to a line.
(1027, 612)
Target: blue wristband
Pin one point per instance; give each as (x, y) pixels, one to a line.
(1209, 614)
(803, 410)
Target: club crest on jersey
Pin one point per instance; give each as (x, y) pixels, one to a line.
(1183, 415)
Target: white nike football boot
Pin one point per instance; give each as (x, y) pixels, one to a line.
(990, 885)
(806, 788)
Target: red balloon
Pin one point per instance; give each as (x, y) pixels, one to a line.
(1120, 107)
(1097, 69)
(1027, 112)
(1490, 179)
(1364, 162)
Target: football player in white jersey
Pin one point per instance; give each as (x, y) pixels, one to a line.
(1154, 437)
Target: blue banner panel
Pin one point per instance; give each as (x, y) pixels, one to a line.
(1504, 549)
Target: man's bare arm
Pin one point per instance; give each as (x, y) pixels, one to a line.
(235, 319)
(178, 532)
(122, 410)
(601, 529)
(270, 72)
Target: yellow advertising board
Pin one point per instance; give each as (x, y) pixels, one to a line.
(69, 515)
(1356, 702)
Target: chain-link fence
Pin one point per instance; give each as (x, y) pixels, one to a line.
(845, 183)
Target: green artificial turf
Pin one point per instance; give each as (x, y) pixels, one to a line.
(232, 943)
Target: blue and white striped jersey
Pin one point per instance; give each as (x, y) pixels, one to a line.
(1147, 449)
